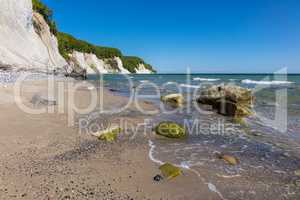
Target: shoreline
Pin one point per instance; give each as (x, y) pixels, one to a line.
(43, 157)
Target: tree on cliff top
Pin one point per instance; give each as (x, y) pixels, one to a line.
(46, 12)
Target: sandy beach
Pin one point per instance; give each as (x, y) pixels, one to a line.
(44, 158)
(103, 100)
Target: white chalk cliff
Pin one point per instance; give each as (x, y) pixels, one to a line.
(94, 65)
(20, 45)
(141, 69)
(26, 42)
(49, 41)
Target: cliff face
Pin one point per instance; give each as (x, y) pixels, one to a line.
(49, 40)
(26, 42)
(20, 45)
(141, 69)
(92, 65)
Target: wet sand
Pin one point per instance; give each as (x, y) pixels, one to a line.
(44, 158)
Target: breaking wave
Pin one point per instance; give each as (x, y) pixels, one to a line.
(248, 81)
(189, 86)
(206, 79)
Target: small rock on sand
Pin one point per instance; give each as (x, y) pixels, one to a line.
(38, 100)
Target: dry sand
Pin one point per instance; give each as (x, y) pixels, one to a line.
(44, 158)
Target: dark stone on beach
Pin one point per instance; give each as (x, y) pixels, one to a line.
(158, 178)
(38, 100)
(23, 195)
(113, 90)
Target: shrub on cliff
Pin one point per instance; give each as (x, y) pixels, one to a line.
(46, 12)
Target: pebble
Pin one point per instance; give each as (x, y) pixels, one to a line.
(158, 178)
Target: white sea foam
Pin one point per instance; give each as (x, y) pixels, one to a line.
(248, 81)
(213, 188)
(206, 79)
(170, 82)
(185, 165)
(189, 86)
(151, 152)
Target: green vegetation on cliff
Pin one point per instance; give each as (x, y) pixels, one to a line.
(47, 13)
(131, 62)
(67, 43)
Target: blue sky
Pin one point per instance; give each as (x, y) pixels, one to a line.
(212, 36)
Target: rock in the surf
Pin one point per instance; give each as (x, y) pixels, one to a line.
(170, 130)
(175, 100)
(169, 171)
(231, 101)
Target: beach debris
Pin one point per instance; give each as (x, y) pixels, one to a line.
(38, 100)
(175, 100)
(170, 130)
(297, 172)
(113, 90)
(158, 178)
(231, 160)
(109, 135)
(169, 171)
(230, 100)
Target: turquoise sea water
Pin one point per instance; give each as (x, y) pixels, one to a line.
(269, 149)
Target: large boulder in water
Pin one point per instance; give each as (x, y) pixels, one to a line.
(170, 130)
(231, 101)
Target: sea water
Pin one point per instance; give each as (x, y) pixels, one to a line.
(267, 145)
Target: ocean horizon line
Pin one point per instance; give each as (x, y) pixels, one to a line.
(293, 74)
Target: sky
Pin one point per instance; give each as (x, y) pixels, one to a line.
(206, 36)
